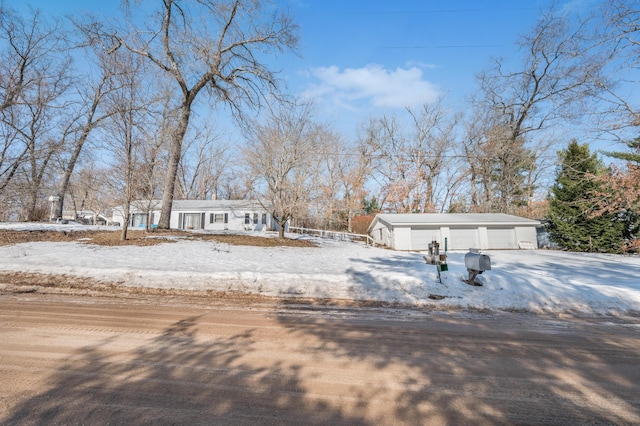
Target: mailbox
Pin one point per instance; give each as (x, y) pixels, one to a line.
(476, 263)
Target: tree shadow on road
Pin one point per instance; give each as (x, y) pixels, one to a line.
(480, 369)
(175, 378)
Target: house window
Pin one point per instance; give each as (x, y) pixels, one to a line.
(264, 218)
(139, 220)
(255, 218)
(220, 218)
(247, 218)
(193, 221)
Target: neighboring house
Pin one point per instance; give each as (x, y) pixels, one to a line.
(87, 217)
(232, 215)
(141, 213)
(461, 230)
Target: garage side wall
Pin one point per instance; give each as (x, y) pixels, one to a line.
(527, 234)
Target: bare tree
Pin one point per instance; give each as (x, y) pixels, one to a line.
(153, 152)
(385, 145)
(34, 74)
(434, 137)
(356, 171)
(408, 161)
(327, 207)
(25, 44)
(12, 155)
(283, 155)
(34, 113)
(90, 114)
(88, 190)
(213, 46)
(204, 164)
(616, 41)
(557, 74)
(18, 51)
(129, 106)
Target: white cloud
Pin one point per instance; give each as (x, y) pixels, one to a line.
(402, 87)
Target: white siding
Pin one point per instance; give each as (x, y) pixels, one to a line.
(385, 237)
(527, 234)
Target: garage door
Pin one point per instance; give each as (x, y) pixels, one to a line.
(421, 237)
(502, 238)
(464, 238)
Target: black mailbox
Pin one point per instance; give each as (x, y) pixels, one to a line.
(476, 263)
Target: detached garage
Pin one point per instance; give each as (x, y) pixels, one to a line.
(462, 231)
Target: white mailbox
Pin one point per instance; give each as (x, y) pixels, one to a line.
(476, 263)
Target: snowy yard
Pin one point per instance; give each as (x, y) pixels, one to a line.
(531, 280)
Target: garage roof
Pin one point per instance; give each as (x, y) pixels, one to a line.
(446, 219)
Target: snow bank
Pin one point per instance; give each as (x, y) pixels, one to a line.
(529, 280)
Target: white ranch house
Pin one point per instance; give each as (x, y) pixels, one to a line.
(462, 231)
(212, 215)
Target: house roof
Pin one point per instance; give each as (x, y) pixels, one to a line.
(180, 205)
(199, 205)
(447, 219)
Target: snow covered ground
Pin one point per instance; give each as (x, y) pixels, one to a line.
(529, 280)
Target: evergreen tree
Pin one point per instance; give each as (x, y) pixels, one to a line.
(632, 157)
(370, 205)
(571, 222)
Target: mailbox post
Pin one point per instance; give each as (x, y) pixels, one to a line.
(436, 258)
(53, 199)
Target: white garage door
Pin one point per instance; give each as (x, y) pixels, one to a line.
(421, 237)
(502, 238)
(464, 238)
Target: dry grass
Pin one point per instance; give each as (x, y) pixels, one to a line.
(250, 240)
(143, 238)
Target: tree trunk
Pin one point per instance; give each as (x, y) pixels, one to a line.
(281, 221)
(127, 217)
(68, 171)
(88, 127)
(32, 214)
(174, 161)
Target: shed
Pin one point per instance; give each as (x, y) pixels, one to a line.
(414, 231)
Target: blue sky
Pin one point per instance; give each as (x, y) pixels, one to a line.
(362, 58)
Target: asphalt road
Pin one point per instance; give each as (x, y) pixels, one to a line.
(153, 360)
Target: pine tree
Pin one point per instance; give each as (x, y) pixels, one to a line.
(631, 157)
(571, 222)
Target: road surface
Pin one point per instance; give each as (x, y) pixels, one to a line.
(162, 360)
